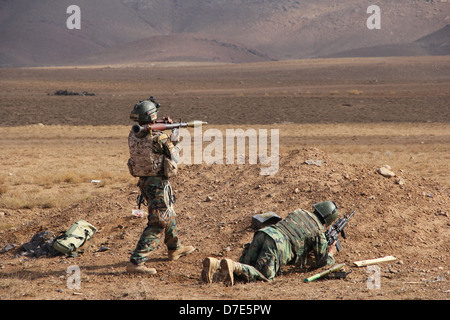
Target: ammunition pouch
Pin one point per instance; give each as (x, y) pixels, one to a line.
(170, 167)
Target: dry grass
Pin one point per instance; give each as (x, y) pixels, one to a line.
(41, 169)
(53, 166)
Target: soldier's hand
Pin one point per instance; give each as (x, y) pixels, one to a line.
(167, 120)
(332, 248)
(175, 136)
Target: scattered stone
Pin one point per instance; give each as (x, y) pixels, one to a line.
(8, 247)
(400, 181)
(208, 199)
(314, 162)
(386, 171)
(41, 244)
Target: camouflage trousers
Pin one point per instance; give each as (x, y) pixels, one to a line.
(260, 259)
(161, 220)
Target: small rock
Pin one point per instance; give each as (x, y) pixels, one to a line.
(208, 199)
(400, 181)
(386, 171)
(314, 162)
(8, 247)
(392, 270)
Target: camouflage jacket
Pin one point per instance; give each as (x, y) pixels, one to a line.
(297, 235)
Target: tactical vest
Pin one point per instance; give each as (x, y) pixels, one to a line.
(301, 227)
(144, 161)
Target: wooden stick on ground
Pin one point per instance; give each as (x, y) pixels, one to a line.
(364, 263)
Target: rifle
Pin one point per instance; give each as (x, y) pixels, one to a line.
(332, 233)
(141, 131)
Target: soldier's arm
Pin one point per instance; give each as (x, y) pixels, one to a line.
(165, 146)
(322, 254)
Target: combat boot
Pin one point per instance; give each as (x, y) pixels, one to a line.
(228, 268)
(139, 268)
(210, 267)
(180, 252)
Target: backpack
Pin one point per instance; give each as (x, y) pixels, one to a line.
(71, 240)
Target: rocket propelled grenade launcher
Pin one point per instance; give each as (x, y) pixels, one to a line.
(334, 268)
(140, 131)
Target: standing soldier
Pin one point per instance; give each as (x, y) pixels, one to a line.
(289, 241)
(153, 159)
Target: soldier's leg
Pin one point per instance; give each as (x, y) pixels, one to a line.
(174, 247)
(151, 190)
(230, 269)
(261, 257)
(171, 239)
(252, 250)
(267, 262)
(247, 268)
(149, 239)
(168, 217)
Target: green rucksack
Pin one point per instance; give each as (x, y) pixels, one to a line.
(70, 241)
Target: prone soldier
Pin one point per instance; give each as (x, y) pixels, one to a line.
(289, 241)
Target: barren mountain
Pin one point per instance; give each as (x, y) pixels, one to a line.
(35, 33)
(435, 44)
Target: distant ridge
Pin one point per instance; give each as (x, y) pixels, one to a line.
(434, 44)
(34, 33)
(178, 47)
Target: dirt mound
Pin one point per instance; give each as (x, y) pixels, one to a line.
(404, 216)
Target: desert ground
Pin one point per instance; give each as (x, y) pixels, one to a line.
(63, 158)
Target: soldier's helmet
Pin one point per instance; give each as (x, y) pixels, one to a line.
(327, 211)
(145, 111)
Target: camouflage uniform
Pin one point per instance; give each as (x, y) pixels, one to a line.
(287, 242)
(147, 162)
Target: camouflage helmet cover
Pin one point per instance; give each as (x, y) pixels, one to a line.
(327, 211)
(145, 111)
